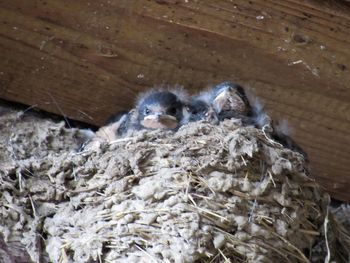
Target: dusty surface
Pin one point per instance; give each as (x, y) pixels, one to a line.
(203, 194)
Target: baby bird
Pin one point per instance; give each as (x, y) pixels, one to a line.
(121, 122)
(161, 109)
(116, 126)
(155, 110)
(225, 101)
(282, 134)
(229, 100)
(116, 117)
(200, 108)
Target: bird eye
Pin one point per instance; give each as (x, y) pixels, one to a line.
(172, 111)
(147, 111)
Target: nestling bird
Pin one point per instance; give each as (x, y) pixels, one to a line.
(121, 122)
(232, 101)
(282, 134)
(156, 109)
(229, 100)
(225, 101)
(161, 109)
(116, 127)
(200, 108)
(116, 117)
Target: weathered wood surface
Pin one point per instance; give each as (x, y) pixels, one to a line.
(87, 59)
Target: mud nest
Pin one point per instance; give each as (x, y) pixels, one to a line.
(206, 193)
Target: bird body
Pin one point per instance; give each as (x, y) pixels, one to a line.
(225, 101)
(171, 108)
(230, 101)
(200, 108)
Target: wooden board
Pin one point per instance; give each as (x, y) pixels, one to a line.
(88, 59)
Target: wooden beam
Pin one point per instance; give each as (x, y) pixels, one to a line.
(88, 59)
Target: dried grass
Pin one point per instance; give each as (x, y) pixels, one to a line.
(203, 194)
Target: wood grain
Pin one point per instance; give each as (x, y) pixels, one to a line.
(88, 59)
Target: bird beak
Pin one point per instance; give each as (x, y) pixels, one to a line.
(211, 116)
(160, 121)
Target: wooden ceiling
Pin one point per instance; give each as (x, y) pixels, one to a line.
(88, 59)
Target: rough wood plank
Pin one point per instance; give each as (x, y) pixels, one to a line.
(87, 59)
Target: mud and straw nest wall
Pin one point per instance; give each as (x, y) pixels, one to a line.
(207, 193)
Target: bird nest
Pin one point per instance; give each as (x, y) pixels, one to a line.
(206, 193)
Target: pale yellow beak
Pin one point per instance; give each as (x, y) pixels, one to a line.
(159, 121)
